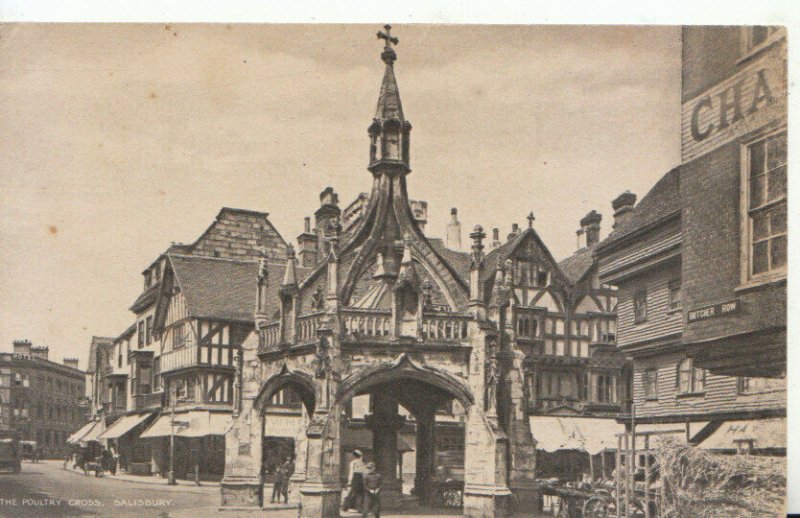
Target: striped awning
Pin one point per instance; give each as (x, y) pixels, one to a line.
(85, 429)
(123, 426)
(195, 423)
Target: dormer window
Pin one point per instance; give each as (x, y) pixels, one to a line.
(147, 279)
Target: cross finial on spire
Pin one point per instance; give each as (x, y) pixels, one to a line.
(531, 219)
(388, 55)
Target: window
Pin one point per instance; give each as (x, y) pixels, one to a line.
(179, 336)
(650, 383)
(148, 330)
(147, 279)
(640, 305)
(766, 207)
(756, 36)
(605, 388)
(675, 295)
(157, 373)
(760, 385)
(691, 379)
(140, 333)
(541, 278)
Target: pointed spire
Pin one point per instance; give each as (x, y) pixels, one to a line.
(389, 106)
(290, 277)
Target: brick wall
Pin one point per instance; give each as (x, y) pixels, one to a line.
(709, 56)
(711, 248)
(240, 235)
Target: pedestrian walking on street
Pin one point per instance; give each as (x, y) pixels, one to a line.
(355, 479)
(372, 492)
(288, 472)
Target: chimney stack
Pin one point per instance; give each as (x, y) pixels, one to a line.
(623, 207)
(514, 231)
(22, 347)
(307, 242)
(495, 238)
(454, 231)
(71, 362)
(590, 227)
(40, 352)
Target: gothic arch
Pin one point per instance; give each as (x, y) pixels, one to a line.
(299, 381)
(404, 368)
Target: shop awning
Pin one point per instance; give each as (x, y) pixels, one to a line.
(197, 423)
(361, 438)
(758, 434)
(77, 436)
(123, 425)
(592, 435)
(276, 425)
(93, 434)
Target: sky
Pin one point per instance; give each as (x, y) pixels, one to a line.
(120, 139)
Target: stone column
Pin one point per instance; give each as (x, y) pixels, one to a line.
(385, 422)
(300, 458)
(242, 485)
(321, 493)
(521, 442)
(426, 452)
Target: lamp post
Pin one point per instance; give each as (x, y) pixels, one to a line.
(172, 424)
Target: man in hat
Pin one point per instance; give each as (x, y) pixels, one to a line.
(372, 492)
(355, 478)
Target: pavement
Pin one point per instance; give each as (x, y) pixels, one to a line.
(47, 489)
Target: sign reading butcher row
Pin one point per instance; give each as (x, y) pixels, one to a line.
(748, 100)
(717, 310)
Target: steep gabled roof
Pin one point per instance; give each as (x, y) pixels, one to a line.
(661, 201)
(576, 265)
(223, 289)
(216, 288)
(459, 261)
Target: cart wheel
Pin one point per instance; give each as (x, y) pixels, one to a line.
(595, 507)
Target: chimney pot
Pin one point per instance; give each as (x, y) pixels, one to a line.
(623, 207)
(454, 231)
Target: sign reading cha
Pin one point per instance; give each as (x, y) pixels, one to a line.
(742, 103)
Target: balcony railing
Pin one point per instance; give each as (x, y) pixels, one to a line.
(148, 401)
(272, 335)
(185, 356)
(444, 327)
(307, 327)
(367, 323)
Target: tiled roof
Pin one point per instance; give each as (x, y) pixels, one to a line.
(459, 261)
(127, 333)
(222, 288)
(576, 265)
(662, 200)
(146, 299)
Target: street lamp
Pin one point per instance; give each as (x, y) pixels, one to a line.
(172, 424)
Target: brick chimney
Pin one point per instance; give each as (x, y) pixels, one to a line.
(623, 207)
(514, 231)
(40, 352)
(590, 228)
(453, 231)
(307, 242)
(22, 347)
(495, 238)
(71, 362)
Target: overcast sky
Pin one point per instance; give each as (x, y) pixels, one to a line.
(118, 139)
